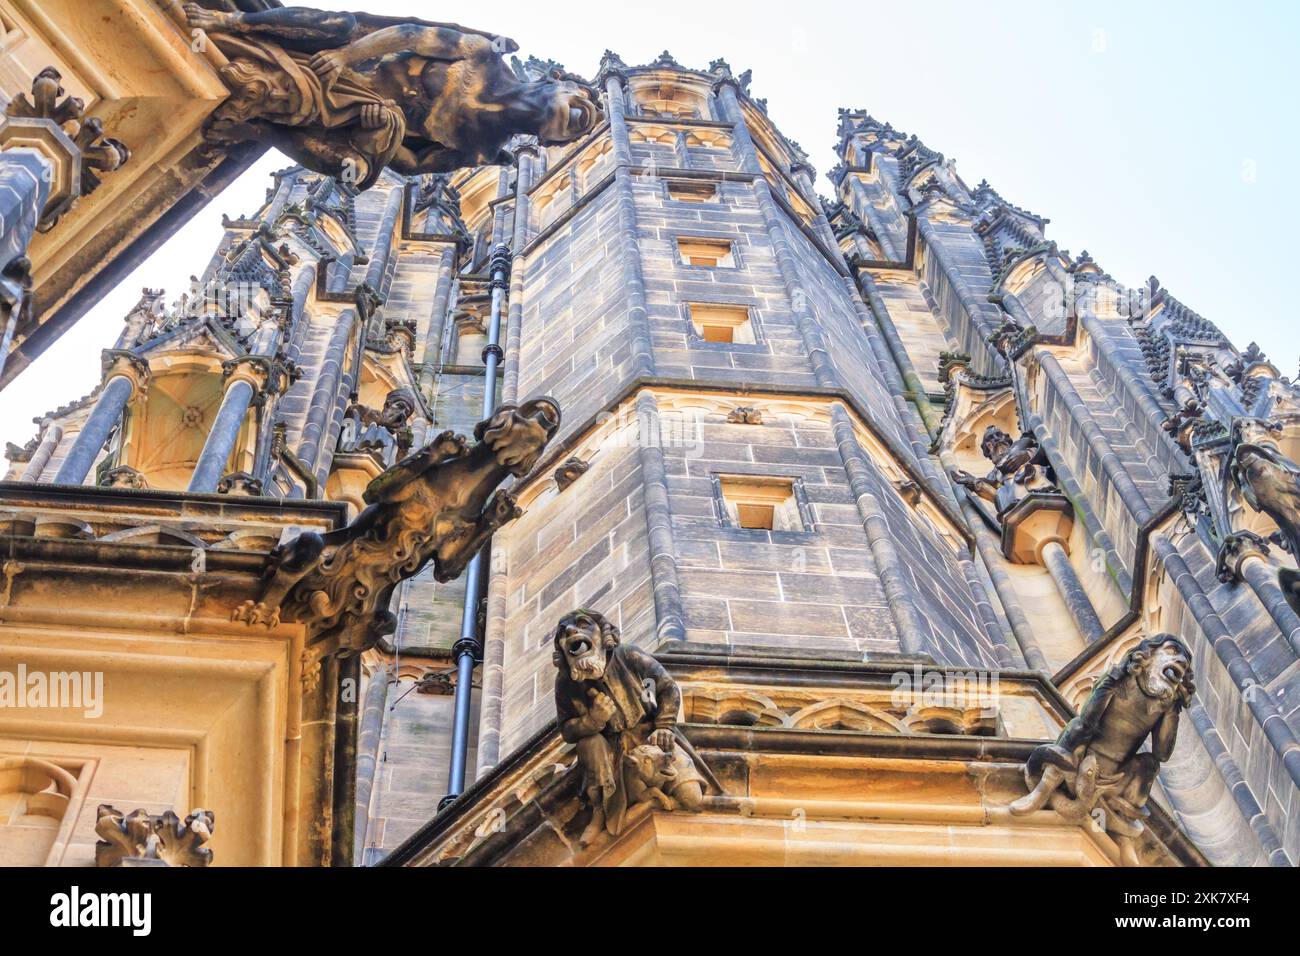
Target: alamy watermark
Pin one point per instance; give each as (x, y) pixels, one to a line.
(38, 689)
(932, 687)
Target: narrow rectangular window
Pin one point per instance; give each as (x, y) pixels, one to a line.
(689, 190)
(711, 253)
(760, 503)
(722, 323)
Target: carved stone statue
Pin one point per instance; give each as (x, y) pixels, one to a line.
(1270, 482)
(367, 430)
(348, 94)
(618, 706)
(431, 506)
(142, 838)
(1096, 764)
(1017, 465)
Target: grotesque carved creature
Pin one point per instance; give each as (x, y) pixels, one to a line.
(569, 472)
(1017, 465)
(240, 483)
(163, 838)
(1096, 763)
(348, 94)
(367, 430)
(123, 477)
(618, 706)
(431, 506)
(745, 415)
(1270, 482)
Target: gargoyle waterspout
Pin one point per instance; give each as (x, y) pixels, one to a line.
(431, 506)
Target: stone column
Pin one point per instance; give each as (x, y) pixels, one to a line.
(526, 157)
(125, 374)
(241, 386)
(638, 319)
(368, 737)
(912, 629)
(1057, 561)
(24, 190)
(669, 614)
(51, 434)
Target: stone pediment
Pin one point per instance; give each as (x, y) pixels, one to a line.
(839, 762)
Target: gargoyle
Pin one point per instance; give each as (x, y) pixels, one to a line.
(1270, 482)
(431, 506)
(618, 706)
(1096, 762)
(347, 94)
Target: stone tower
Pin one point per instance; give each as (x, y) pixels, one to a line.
(887, 483)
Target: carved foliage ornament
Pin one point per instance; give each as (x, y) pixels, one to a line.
(431, 506)
(141, 838)
(350, 94)
(1096, 768)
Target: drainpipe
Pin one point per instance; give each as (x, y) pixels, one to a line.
(466, 649)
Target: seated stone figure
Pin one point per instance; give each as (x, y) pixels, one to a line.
(1270, 482)
(384, 433)
(618, 706)
(348, 94)
(1097, 762)
(431, 506)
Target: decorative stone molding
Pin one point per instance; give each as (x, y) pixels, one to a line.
(1236, 548)
(142, 838)
(129, 364)
(74, 144)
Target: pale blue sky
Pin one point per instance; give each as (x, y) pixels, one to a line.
(1159, 136)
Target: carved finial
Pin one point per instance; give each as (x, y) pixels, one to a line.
(90, 152)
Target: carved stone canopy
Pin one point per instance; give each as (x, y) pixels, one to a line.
(349, 94)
